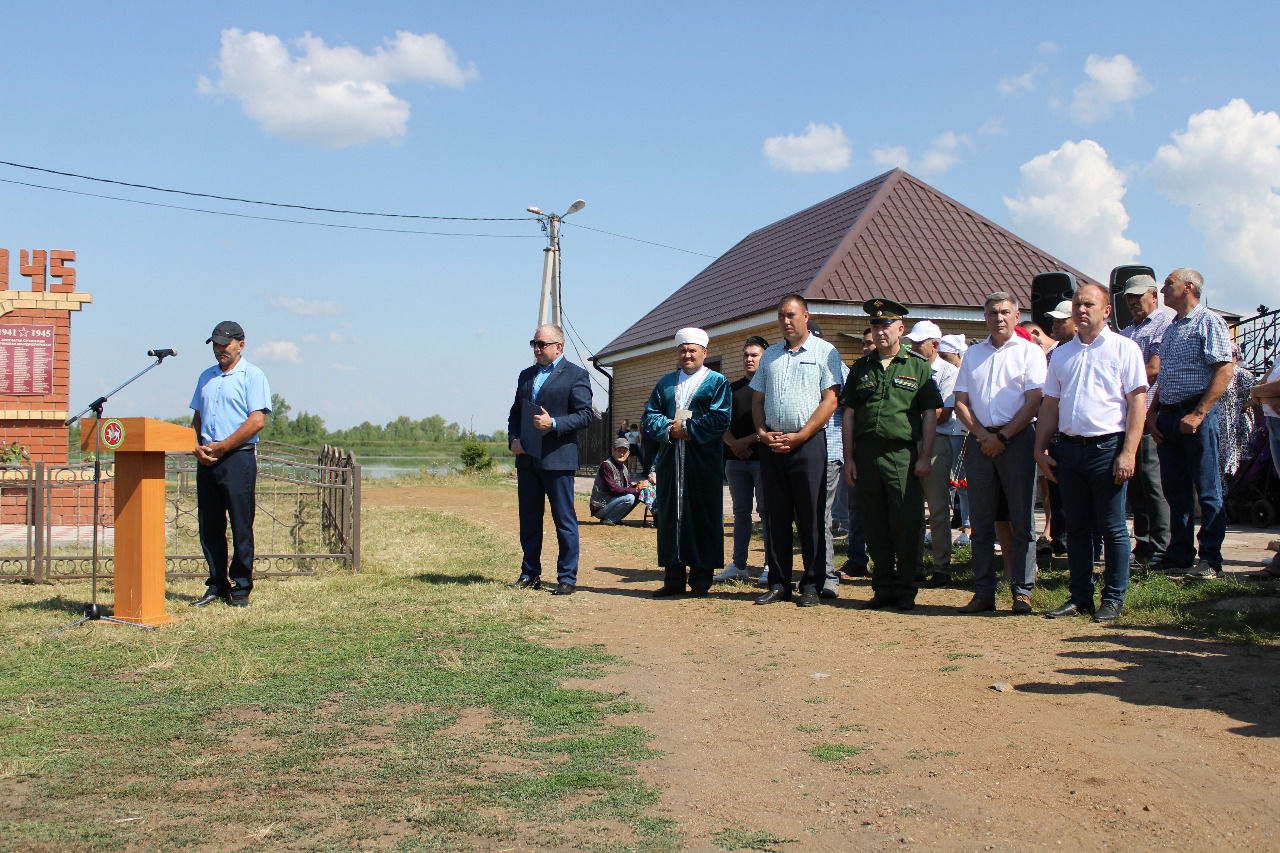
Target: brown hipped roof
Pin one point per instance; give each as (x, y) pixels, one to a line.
(892, 236)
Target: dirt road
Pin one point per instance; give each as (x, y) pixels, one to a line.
(838, 728)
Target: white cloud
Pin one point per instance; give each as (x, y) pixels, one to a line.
(940, 157)
(331, 96)
(993, 127)
(342, 368)
(1020, 84)
(1071, 202)
(1225, 167)
(278, 351)
(304, 307)
(1047, 47)
(821, 148)
(1112, 82)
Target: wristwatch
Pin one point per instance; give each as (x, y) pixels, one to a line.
(1004, 439)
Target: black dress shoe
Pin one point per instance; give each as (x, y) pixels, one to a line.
(209, 598)
(905, 604)
(808, 598)
(238, 601)
(667, 591)
(526, 582)
(1108, 611)
(878, 601)
(699, 593)
(938, 579)
(563, 588)
(777, 593)
(1068, 609)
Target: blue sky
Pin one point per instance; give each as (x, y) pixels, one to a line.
(1105, 133)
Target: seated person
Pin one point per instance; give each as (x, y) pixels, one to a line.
(612, 495)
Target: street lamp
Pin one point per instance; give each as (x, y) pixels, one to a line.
(549, 304)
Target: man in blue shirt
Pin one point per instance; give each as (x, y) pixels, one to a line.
(230, 407)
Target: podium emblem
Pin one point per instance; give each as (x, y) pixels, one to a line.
(112, 434)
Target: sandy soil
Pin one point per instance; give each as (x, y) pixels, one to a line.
(1108, 737)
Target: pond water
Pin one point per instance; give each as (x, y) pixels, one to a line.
(375, 467)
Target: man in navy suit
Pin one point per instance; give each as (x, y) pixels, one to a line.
(553, 402)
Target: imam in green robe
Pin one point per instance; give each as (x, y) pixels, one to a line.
(693, 534)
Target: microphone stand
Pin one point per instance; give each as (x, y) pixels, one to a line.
(91, 612)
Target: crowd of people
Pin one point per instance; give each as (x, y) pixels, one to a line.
(1099, 423)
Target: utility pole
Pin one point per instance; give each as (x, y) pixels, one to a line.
(549, 304)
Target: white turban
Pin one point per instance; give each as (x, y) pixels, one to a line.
(692, 335)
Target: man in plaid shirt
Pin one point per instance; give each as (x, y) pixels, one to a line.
(1195, 369)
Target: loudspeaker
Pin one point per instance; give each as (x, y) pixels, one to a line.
(1047, 290)
(1121, 316)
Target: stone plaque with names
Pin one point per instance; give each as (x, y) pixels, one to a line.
(26, 359)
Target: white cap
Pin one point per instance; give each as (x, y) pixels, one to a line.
(1139, 284)
(692, 335)
(953, 343)
(1062, 311)
(925, 330)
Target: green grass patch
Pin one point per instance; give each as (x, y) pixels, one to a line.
(412, 706)
(741, 838)
(835, 751)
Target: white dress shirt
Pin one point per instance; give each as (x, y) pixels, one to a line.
(998, 379)
(1091, 381)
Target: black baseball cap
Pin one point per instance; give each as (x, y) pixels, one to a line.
(224, 332)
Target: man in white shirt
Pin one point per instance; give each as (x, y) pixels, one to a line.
(1094, 408)
(925, 337)
(997, 395)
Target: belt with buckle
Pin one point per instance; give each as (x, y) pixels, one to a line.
(1086, 440)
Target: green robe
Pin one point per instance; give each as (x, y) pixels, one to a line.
(700, 539)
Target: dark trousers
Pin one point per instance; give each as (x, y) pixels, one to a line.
(225, 491)
(1150, 510)
(699, 579)
(534, 489)
(795, 489)
(1189, 468)
(1086, 477)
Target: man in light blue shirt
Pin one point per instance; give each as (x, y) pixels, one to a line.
(230, 407)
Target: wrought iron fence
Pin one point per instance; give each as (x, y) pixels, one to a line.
(308, 516)
(1258, 338)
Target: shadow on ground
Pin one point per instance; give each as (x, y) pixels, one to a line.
(1175, 670)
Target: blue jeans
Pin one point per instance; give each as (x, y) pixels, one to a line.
(744, 485)
(1013, 473)
(618, 508)
(1189, 466)
(1092, 501)
(857, 547)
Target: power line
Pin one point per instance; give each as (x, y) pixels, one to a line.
(266, 203)
(638, 240)
(272, 218)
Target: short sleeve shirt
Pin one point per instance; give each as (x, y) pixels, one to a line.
(1091, 381)
(792, 381)
(1191, 348)
(225, 400)
(944, 376)
(1148, 334)
(998, 379)
(888, 402)
(835, 426)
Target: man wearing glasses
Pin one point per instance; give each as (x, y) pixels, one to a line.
(553, 402)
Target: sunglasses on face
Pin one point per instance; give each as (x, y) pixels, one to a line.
(543, 344)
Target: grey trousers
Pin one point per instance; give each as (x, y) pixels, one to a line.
(835, 479)
(937, 494)
(1150, 509)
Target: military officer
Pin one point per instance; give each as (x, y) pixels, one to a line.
(891, 403)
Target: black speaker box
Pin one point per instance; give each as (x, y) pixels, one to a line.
(1047, 290)
(1121, 316)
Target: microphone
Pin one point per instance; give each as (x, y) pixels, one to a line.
(161, 353)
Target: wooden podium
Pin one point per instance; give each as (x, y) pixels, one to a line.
(139, 445)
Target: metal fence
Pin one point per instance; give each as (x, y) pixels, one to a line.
(1258, 338)
(308, 516)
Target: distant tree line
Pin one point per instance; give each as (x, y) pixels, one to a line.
(308, 430)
